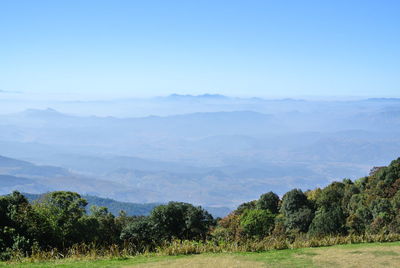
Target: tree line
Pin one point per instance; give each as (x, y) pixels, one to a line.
(369, 205)
(60, 220)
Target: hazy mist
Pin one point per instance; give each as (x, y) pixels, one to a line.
(208, 149)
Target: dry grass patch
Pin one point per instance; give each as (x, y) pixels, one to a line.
(204, 262)
(377, 256)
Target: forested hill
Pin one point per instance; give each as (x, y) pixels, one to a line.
(131, 209)
(367, 209)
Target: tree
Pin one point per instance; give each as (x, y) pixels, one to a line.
(247, 205)
(382, 213)
(257, 223)
(107, 231)
(13, 227)
(297, 211)
(140, 233)
(228, 228)
(330, 218)
(269, 201)
(359, 216)
(327, 222)
(384, 183)
(350, 190)
(65, 211)
(180, 220)
(331, 196)
(20, 226)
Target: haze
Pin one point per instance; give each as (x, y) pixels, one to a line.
(210, 102)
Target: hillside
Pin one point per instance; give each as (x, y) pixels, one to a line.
(364, 210)
(113, 206)
(131, 209)
(215, 151)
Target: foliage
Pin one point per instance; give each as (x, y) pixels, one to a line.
(247, 205)
(327, 222)
(257, 222)
(115, 207)
(181, 221)
(140, 234)
(370, 205)
(269, 201)
(20, 227)
(297, 210)
(64, 211)
(342, 212)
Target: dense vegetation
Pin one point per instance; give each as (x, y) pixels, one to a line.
(130, 209)
(370, 205)
(113, 206)
(59, 221)
(367, 206)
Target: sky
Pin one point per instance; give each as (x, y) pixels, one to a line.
(115, 49)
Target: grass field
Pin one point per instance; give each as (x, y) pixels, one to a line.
(356, 255)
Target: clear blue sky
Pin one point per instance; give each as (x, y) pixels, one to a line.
(115, 48)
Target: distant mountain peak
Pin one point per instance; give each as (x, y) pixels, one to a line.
(42, 112)
(384, 99)
(47, 110)
(202, 96)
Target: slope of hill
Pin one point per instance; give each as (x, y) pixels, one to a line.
(27, 177)
(131, 209)
(214, 150)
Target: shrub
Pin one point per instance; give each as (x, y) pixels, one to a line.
(257, 223)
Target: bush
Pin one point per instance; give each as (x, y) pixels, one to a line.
(257, 223)
(140, 234)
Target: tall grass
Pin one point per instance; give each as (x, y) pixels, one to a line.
(184, 247)
(77, 252)
(178, 247)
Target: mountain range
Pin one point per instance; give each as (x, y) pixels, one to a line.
(210, 150)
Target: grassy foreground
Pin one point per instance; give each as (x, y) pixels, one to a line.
(356, 255)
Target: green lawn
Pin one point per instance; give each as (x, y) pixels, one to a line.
(359, 255)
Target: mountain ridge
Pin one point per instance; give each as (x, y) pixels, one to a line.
(131, 209)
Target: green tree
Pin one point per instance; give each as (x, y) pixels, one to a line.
(329, 217)
(140, 233)
(269, 201)
(107, 231)
(297, 210)
(65, 211)
(20, 226)
(180, 220)
(331, 196)
(327, 222)
(257, 223)
(247, 205)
